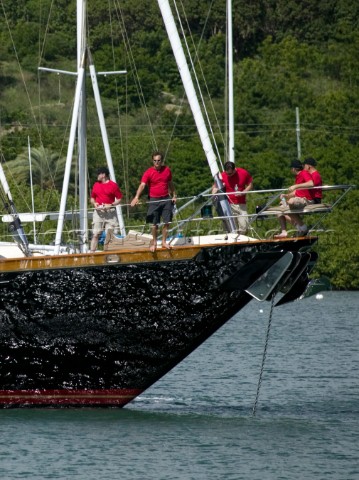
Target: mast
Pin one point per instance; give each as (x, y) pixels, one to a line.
(70, 149)
(79, 122)
(106, 144)
(32, 190)
(81, 126)
(230, 83)
(195, 106)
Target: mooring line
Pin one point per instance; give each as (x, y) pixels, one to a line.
(264, 356)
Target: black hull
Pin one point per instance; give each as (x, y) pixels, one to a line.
(101, 335)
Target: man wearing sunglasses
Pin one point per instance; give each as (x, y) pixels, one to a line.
(162, 196)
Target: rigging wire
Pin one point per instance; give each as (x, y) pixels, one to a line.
(42, 47)
(133, 65)
(67, 125)
(196, 48)
(195, 61)
(264, 355)
(32, 110)
(124, 160)
(125, 163)
(19, 66)
(40, 56)
(209, 126)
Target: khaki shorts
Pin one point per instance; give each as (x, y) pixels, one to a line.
(239, 210)
(298, 202)
(104, 220)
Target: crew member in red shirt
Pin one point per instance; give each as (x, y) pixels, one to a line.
(309, 165)
(298, 197)
(237, 182)
(161, 192)
(105, 195)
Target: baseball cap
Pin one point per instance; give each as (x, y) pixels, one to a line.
(296, 164)
(310, 161)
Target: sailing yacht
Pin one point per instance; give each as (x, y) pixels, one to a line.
(97, 329)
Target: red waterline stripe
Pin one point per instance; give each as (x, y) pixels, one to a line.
(68, 397)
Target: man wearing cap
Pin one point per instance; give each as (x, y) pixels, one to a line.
(298, 197)
(105, 196)
(237, 181)
(309, 165)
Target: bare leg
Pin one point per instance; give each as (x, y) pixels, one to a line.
(94, 242)
(296, 220)
(283, 226)
(164, 237)
(283, 222)
(302, 229)
(153, 243)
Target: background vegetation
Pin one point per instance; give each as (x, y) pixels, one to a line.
(288, 54)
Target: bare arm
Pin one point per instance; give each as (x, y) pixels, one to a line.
(138, 194)
(171, 190)
(106, 206)
(94, 203)
(248, 187)
(307, 184)
(214, 189)
(245, 190)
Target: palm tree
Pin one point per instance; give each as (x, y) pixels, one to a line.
(47, 168)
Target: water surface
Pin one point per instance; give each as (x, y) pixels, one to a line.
(197, 422)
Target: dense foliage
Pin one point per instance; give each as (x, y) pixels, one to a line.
(288, 54)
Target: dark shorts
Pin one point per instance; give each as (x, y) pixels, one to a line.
(161, 207)
(317, 200)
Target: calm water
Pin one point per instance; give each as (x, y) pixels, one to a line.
(197, 422)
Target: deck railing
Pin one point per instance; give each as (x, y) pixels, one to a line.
(194, 215)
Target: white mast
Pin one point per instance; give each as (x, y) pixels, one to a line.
(79, 120)
(81, 127)
(106, 144)
(194, 104)
(230, 83)
(32, 190)
(70, 149)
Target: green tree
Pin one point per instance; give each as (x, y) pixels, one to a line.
(47, 168)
